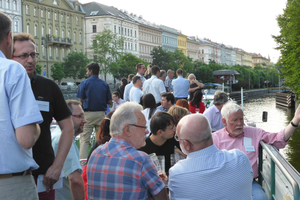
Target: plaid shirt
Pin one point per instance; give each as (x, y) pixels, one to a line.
(116, 170)
(168, 84)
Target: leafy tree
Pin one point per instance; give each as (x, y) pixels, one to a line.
(38, 69)
(161, 58)
(74, 65)
(288, 44)
(57, 72)
(107, 48)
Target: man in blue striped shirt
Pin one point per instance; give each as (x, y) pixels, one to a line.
(208, 173)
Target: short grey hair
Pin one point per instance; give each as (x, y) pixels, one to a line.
(125, 114)
(220, 97)
(191, 76)
(170, 71)
(229, 108)
(162, 73)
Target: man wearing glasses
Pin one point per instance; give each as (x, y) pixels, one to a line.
(208, 173)
(73, 185)
(51, 104)
(116, 170)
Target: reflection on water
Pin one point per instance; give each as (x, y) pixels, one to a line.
(278, 118)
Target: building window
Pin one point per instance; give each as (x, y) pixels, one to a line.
(43, 31)
(42, 13)
(135, 47)
(69, 34)
(125, 45)
(125, 31)
(28, 28)
(35, 30)
(122, 31)
(56, 51)
(55, 16)
(49, 15)
(131, 46)
(63, 53)
(0, 3)
(27, 9)
(62, 18)
(16, 30)
(119, 30)
(56, 32)
(50, 52)
(80, 41)
(34, 11)
(77, 21)
(15, 5)
(115, 29)
(94, 29)
(128, 32)
(62, 34)
(43, 50)
(68, 19)
(134, 33)
(50, 31)
(74, 37)
(131, 33)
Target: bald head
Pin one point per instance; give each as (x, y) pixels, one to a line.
(196, 129)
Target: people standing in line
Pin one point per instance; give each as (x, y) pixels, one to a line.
(117, 100)
(94, 94)
(19, 127)
(223, 174)
(135, 177)
(136, 91)
(154, 85)
(167, 101)
(148, 72)
(168, 81)
(246, 138)
(180, 86)
(194, 85)
(213, 113)
(52, 105)
(121, 89)
(73, 186)
(128, 87)
(140, 70)
(196, 105)
(149, 106)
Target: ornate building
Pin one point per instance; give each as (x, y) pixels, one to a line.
(57, 27)
(13, 8)
(193, 48)
(169, 38)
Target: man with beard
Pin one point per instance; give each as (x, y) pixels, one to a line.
(73, 185)
(246, 138)
(207, 172)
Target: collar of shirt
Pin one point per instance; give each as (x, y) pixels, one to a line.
(120, 141)
(2, 55)
(94, 77)
(203, 152)
(215, 109)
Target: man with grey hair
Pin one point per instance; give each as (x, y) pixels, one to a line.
(246, 138)
(131, 174)
(18, 125)
(207, 173)
(162, 75)
(213, 113)
(168, 81)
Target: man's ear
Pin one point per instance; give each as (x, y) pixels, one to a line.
(126, 130)
(224, 121)
(187, 145)
(159, 132)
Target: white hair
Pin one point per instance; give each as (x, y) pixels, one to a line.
(191, 76)
(229, 108)
(125, 114)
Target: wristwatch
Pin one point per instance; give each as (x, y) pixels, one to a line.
(294, 125)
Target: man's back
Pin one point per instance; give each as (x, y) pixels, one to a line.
(212, 174)
(180, 87)
(116, 170)
(127, 91)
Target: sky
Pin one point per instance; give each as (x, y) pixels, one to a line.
(248, 25)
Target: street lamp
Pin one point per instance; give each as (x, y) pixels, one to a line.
(46, 46)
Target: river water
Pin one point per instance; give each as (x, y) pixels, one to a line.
(278, 118)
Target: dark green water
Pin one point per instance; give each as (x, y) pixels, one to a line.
(278, 118)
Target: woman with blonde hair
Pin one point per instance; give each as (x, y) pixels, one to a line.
(177, 113)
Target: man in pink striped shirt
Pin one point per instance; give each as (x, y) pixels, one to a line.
(237, 136)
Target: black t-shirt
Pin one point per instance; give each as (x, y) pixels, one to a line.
(166, 150)
(47, 90)
(192, 93)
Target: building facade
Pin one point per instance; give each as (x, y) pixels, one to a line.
(13, 8)
(258, 59)
(57, 27)
(169, 38)
(209, 51)
(193, 48)
(182, 44)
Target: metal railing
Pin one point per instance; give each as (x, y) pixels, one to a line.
(281, 173)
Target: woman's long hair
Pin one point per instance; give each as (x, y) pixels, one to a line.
(149, 102)
(197, 98)
(103, 134)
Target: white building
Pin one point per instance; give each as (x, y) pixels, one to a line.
(13, 8)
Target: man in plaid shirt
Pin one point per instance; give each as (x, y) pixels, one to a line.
(116, 170)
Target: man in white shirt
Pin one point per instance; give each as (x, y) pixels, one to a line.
(140, 69)
(154, 85)
(136, 92)
(128, 87)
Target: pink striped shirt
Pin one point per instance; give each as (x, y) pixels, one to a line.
(223, 140)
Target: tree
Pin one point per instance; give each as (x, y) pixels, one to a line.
(57, 72)
(161, 58)
(107, 48)
(38, 69)
(74, 65)
(288, 44)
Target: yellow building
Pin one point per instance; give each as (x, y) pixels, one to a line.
(258, 59)
(182, 43)
(247, 59)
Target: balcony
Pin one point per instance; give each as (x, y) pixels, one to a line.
(57, 41)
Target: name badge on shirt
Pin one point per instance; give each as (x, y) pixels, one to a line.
(248, 144)
(43, 105)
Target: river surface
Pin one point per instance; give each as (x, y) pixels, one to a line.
(278, 118)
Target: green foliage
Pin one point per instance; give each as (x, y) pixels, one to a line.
(288, 43)
(57, 72)
(74, 65)
(107, 48)
(38, 69)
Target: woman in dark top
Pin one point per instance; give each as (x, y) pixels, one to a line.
(122, 87)
(196, 105)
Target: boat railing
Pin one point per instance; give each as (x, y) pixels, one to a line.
(278, 177)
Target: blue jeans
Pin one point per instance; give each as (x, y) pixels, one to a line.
(258, 192)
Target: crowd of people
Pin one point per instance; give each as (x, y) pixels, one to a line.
(151, 113)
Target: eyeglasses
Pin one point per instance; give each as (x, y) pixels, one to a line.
(173, 128)
(25, 56)
(145, 127)
(82, 117)
(177, 139)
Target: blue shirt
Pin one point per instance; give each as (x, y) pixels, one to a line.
(160, 108)
(214, 117)
(212, 174)
(181, 87)
(95, 94)
(18, 108)
(71, 164)
(127, 91)
(116, 170)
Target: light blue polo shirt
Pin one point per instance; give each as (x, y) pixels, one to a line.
(180, 87)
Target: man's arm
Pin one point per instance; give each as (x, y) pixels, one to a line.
(161, 195)
(290, 129)
(200, 85)
(76, 185)
(64, 144)
(81, 100)
(27, 135)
